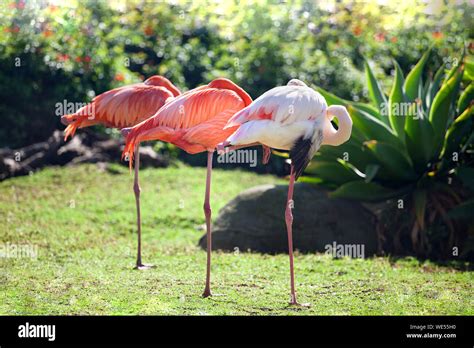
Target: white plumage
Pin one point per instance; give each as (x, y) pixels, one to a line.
(284, 115)
(295, 118)
(283, 110)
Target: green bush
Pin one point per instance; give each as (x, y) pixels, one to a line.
(80, 49)
(46, 59)
(413, 146)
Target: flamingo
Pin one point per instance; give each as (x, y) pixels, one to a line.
(123, 107)
(294, 118)
(195, 123)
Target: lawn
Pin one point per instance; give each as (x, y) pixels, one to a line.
(82, 219)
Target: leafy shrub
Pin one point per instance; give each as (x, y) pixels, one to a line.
(414, 147)
(80, 49)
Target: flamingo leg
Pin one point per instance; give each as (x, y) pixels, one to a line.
(289, 228)
(137, 190)
(266, 154)
(207, 213)
(225, 148)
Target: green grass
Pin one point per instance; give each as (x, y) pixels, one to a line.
(83, 222)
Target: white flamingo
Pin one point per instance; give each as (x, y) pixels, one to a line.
(294, 118)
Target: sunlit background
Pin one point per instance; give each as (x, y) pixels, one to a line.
(74, 50)
(401, 188)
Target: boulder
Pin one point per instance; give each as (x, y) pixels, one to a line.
(37, 160)
(151, 158)
(71, 150)
(54, 142)
(8, 167)
(84, 147)
(90, 157)
(110, 147)
(255, 220)
(29, 158)
(31, 150)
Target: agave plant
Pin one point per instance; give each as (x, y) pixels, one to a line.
(412, 149)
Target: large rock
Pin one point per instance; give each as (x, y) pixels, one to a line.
(71, 150)
(27, 159)
(84, 147)
(255, 220)
(8, 167)
(151, 158)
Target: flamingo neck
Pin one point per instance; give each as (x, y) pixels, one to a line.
(334, 137)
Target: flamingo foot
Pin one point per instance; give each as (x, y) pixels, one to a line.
(207, 293)
(143, 267)
(299, 305)
(295, 303)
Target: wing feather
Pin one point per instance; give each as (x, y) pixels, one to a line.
(193, 108)
(211, 132)
(284, 104)
(129, 105)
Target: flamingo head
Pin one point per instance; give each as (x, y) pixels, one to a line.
(68, 119)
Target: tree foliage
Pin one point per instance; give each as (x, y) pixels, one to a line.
(79, 49)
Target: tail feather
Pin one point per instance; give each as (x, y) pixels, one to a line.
(238, 118)
(303, 151)
(299, 155)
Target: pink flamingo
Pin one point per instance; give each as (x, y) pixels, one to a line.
(194, 122)
(295, 118)
(124, 107)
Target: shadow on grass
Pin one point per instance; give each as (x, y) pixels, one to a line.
(458, 265)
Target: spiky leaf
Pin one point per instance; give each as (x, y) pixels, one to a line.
(334, 172)
(397, 104)
(368, 109)
(440, 110)
(419, 198)
(354, 153)
(469, 75)
(375, 91)
(434, 86)
(466, 98)
(455, 67)
(461, 128)
(370, 171)
(419, 138)
(413, 80)
(332, 99)
(371, 127)
(392, 159)
(364, 191)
